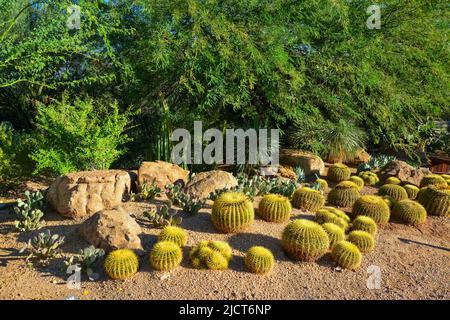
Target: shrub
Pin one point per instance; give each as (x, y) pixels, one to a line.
(346, 255)
(366, 224)
(259, 260)
(344, 194)
(412, 191)
(191, 204)
(335, 233)
(332, 215)
(275, 208)
(232, 212)
(174, 234)
(372, 206)
(165, 256)
(305, 240)
(43, 246)
(358, 181)
(392, 180)
(409, 212)
(338, 172)
(363, 240)
(370, 178)
(121, 264)
(79, 136)
(308, 199)
(396, 192)
(214, 255)
(433, 180)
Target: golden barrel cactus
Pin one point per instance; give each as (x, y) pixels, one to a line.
(409, 212)
(364, 223)
(232, 212)
(346, 255)
(174, 234)
(259, 260)
(308, 199)
(275, 208)
(395, 191)
(165, 256)
(372, 206)
(344, 194)
(121, 264)
(338, 172)
(363, 240)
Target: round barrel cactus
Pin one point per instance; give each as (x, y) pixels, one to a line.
(395, 191)
(165, 256)
(372, 206)
(232, 212)
(214, 255)
(433, 180)
(259, 260)
(323, 184)
(305, 240)
(335, 233)
(332, 215)
(393, 180)
(338, 172)
(308, 199)
(174, 234)
(346, 255)
(358, 181)
(366, 224)
(437, 202)
(344, 194)
(275, 208)
(370, 178)
(409, 212)
(363, 240)
(121, 264)
(411, 190)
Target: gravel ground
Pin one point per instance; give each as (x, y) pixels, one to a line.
(414, 264)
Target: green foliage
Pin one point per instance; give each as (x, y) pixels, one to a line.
(409, 212)
(29, 211)
(121, 264)
(392, 190)
(232, 212)
(364, 223)
(174, 234)
(259, 260)
(284, 187)
(87, 260)
(85, 135)
(274, 208)
(344, 194)
(433, 180)
(300, 173)
(308, 199)
(373, 207)
(370, 178)
(43, 246)
(305, 240)
(380, 161)
(166, 256)
(346, 255)
(338, 172)
(392, 180)
(362, 239)
(147, 191)
(335, 233)
(214, 255)
(190, 204)
(162, 218)
(173, 192)
(332, 215)
(411, 190)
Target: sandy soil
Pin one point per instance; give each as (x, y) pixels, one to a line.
(414, 264)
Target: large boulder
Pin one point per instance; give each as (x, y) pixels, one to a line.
(81, 194)
(405, 172)
(162, 173)
(361, 156)
(112, 229)
(310, 163)
(203, 183)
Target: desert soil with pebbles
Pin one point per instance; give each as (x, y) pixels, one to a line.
(414, 263)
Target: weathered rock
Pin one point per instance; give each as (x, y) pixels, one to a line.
(405, 172)
(310, 163)
(361, 156)
(162, 172)
(203, 183)
(80, 194)
(287, 172)
(112, 229)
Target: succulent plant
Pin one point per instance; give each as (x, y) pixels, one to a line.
(165, 256)
(189, 203)
(259, 260)
(411, 190)
(362, 167)
(332, 215)
(362, 239)
(275, 208)
(338, 172)
(366, 224)
(395, 191)
(162, 218)
(173, 192)
(88, 260)
(423, 195)
(346, 255)
(372, 206)
(305, 240)
(232, 212)
(300, 173)
(335, 233)
(213, 255)
(121, 264)
(409, 212)
(174, 234)
(370, 178)
(437, 202)
(389, 201)
(43, 246)
(29, 212)
(284, 187)
(323, 184)
(358, 181)
(433, 180)
(393, 180)
(308, 199)
(344, 194)
(147, 191)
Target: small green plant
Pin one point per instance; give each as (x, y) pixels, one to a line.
(409, 212)
(232, 212)
(29, 212)
(308, 199)
(259, 260)
(147, 191)
(88, 260)
(173, 192)
(174, 234)
(275, 208)
(364, 223)
(358, 181)
(300, 173)
(346, 255)
(254, 186)
(214, 255)
(162, 218)
(395, 191)
(165, 256)
(363, 240)
(284, 187)
(216, 194)
(43, 246)
(393, 180)
(121, 264)
(372, 206)
(338, 172)
(190, 204)
(344, 194)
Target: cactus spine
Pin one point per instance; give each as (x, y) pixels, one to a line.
(232, 212)
(121, 264)
(166, 256)
(344, 194)
(372, 206)
(275, 208)
(396, 192)
(332, 215)
(370, 178)
(308, 199)
(214, 255)
(366, 224)
(363, 240)
(346, 255)
(410, 212)
(174, 234)
(305, 240)
(338, 172)
(411, 190)
(335, 233)
(259, 260)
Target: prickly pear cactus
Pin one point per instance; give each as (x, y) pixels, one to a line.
(165, 256)
(308, 199)
(366, 224)
(363, 240)
(232, 212)
(259, 260)
(372, 206)
(335, 233)
(409, 212)
(338, 172)
(174, 234)
(344, 194)
(121, 264)
(395, 191)
(275, 208)
(346, 255)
